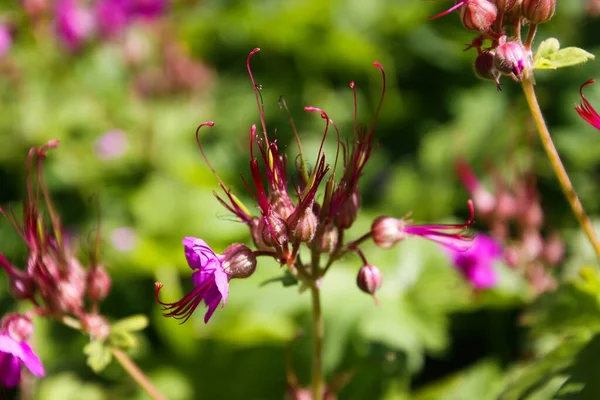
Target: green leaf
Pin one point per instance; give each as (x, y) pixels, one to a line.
(122, 339)
(132, 323)
(99, 355)
(551, 56)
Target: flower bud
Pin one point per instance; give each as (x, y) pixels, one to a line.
(484, 69)
(281, 204)
(18, 326)
(239, 261)
(327, 241)
(533, 244)
(554, 249)
(348, 211)
(68, 294)
(98, 283)
(505, 6)
(478, 15)
(387, 231)
(274, 232)
(256, 234)
(533, 215)
(369, 279)
(304, 228)
(538, 11)
(506, 206)
(21, 285)
(512, 58)
(96, 325)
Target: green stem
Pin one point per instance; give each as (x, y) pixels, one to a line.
(137, 374)
(317, 370)
(557, 165)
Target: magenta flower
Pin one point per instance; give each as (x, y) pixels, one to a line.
(5, 39)
(13, 355)
(111, 16)
(585, 110)
(476, 262)
(74, 24)
(113, 144)
(211, 282)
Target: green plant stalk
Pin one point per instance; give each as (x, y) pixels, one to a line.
(557, 165)
(318, 329)
(137, 374)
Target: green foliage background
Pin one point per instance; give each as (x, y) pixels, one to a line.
(430, 337)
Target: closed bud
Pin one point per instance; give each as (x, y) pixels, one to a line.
(554, 249)
(348, 211)
(506, 206)
(239, 261)
(533, 215)
(21, 286)
(18, 326)
(273, 230)
(281, 204)
(256, 234)
(305, 227)
(505, 6)
(327, 241)
(96, 325)
(369, 279)
(387, 231)
(513, 59)
(484, 69)
(98, 283)
(538, 11)
(478, 15)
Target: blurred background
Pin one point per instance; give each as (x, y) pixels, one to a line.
(124, 97)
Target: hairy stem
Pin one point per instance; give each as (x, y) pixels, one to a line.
(557, 165)
(137, 374)
(317, 369)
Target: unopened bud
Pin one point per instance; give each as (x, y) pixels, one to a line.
(327, 241)
(533, 215)
(96, 325)
(387, 231)
(506, 206)
(348, 211)
(18, 326)
(554, 249)
(21, 286)
(256, 234)
(484, 69)
(239, 261)
(369, 279)
(533, 244)
(538, 11)
(281, 204)
(98, 282)
(304, 228)
(505, 6)
(478, 15)
(513, 59)
(68, 295)
(273, 230)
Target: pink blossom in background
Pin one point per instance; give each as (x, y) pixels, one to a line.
(13, 355)
(476, 263)
(74, 24)
(5, 39)
(111, 145)
(111, 17)
(124, 239)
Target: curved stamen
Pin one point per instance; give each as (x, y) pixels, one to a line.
(255, 87)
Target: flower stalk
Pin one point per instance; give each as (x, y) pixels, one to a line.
(558, 166)
(137, 374)
(318, 332)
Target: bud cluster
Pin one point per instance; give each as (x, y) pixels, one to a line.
(54, 280)
(515, 217)
(499, 22)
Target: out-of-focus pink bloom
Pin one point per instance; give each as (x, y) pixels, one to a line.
(483, 200)
(585, 109)
(74, 24)
(123, 239)
(111, 16)
(111, 145)
(211, 282)
(13, 355)
(476, 263)
(5, 39)
(147, 8)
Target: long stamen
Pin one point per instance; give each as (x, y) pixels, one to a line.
(383, 88)
(184, 308)
(255, 87)
(448, 11)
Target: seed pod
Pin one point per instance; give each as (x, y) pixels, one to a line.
(369, 279)
(538, 11)
(478, 15)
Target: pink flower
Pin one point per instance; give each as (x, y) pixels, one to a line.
(74, 24)
(585, 110)
(5, 39)
(476, 262)
(13, 355)
(211, 282)
(111, 145)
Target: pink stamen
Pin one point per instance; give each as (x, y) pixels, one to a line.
(448, 11)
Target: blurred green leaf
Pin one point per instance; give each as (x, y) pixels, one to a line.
(550, 56)
(98, 355)
(132, 323)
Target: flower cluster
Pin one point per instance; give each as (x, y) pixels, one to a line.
(515, 219)
(53, 281)
(312, 208)
(499, 22)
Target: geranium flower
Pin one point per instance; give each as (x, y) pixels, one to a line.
(585, 109)
(211, 282)
(13, 355)
(476, 263)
